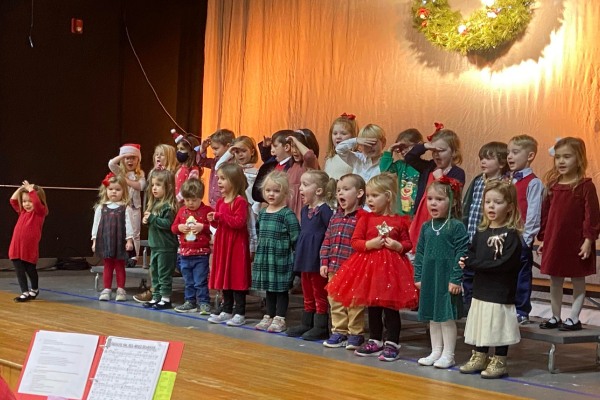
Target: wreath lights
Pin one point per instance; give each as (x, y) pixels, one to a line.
(497, 23)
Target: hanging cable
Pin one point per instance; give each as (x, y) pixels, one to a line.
(31, 27)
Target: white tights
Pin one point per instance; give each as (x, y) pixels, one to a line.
(556, 294)
(443, 339)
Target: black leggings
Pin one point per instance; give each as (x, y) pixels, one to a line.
(237, 296)
(392, 323)
(25, 269)
(277, 303)
(500, 350)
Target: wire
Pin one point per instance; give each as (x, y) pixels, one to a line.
(31, 27)
(52, 187)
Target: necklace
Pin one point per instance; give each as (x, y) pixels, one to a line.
(437, 231)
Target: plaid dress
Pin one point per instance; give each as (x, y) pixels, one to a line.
(274, 259)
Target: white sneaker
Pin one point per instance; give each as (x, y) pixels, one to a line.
(121, 295)
(444, 362)
(264, 324)
(105, 295)
(237, 320)
(429, 360)
(217, 319)
(278, 325)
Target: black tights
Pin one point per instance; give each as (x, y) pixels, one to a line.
(25, 269)
(237, 296)
(277, 303)
(392, 323)
(500, 350)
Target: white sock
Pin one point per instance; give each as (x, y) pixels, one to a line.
(449, 336)
(165, 299)
(556, 294)
(435, 333)
(578, 297)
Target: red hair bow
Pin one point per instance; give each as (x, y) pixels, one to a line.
(351, 117)
(453, 183)
(106, 180)
(438, 127)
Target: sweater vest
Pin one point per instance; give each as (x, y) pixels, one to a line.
(522, 194)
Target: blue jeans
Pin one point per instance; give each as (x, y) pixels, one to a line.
(524, 282)
(194, 270)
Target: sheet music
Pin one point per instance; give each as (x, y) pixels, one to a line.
(59, 364)
(128, 369)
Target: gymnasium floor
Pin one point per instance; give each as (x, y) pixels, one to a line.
(529, 376)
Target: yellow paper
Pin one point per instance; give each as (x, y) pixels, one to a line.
(164, 387)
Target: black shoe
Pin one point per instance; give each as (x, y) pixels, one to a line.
(22, 298)
(551, 323)
(131, 263)
(570, 327)
(33, 294)
(150, 304)
(162, 305)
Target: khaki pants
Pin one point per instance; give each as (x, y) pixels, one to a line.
(346, 320)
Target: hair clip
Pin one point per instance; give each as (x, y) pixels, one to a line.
(351, 117)
(551, 149)
(438, 127)
(106, 180)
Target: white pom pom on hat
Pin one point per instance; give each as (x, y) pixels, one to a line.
(177, 137)
(131, 149)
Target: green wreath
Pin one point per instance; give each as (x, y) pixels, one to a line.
(499, 22)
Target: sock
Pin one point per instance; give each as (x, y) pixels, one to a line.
(578, 298)
(437, 343)
(556, 294)
(449, 336)
(165, 299)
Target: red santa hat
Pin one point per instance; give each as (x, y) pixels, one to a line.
(131, 149)
(177, 137)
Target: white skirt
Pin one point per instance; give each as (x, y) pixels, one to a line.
(492, 324)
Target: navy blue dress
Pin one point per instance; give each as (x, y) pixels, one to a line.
(313, 226)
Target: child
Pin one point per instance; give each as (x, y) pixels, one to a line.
(304, 155)
(347, 323)
(219, 142)
(521, 153)
(128, 164)
(378, 275)
(444, 145)
(278, 231)
(492, 160)
(193, 229)
(112, 233)
(317, 191)
(231, 255)
(569, 229)
(494, 255)
(442, 241)
(408, 177)
(280, 159)
(29, 201)
(159, 216)
(186, 159)
(365, 163)
(342, 128)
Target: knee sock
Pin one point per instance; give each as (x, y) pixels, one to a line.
(501, 351)
(437, 343)
(449, 337)
(556, 294)
(578, 297)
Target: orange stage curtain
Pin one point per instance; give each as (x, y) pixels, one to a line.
(274, 64)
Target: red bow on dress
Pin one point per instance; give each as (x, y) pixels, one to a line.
(106, 180)
(438, 127)
(351, 117)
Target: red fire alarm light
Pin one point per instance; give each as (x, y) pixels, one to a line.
(76, 26)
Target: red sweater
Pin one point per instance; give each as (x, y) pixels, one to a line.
(200, 245)
(28, 231)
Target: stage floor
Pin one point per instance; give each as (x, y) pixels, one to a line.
(241, 363)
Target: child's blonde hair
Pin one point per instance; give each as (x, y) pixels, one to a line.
(373, 131)
(235, 175)
(411, 135)
(167, 179)
(349, 124)
(451, 188)
(451, 138)
(359, 184)
(525, 141)
(250, 143)
(223, 136)
(169, 152)
(578, 147)
(108, 180)
(279, 178)
(509, 192)
(387, 184)
(325, 183)
(40, 194)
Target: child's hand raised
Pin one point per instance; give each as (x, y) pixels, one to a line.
(454, 289)
(430, 146)
(267, 141)
(27, 186)
(204, 145)
(366, 141)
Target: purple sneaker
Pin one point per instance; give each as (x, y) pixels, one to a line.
(354, 342)
(369, 349)
(390, 352)
(336, 340)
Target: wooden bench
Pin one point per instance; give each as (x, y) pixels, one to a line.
(590, 334)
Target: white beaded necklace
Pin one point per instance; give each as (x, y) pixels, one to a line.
(437, 231)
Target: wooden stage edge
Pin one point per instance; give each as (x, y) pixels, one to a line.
(219, 367)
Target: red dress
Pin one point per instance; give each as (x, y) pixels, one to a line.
(28, 231)
(569, 216)
(376, 278)
(231, 252)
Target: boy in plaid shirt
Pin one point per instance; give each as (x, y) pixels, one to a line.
(347, 322)
(492, 160)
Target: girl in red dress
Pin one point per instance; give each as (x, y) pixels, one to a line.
(569, 229)
(29, 201)
(378, 275)
(231, 255)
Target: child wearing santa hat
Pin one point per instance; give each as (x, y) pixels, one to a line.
(128, 164)
(186, 159)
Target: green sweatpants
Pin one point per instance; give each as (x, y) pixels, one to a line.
(162, 265)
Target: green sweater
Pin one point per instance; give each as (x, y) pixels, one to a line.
(160, 236)
(408, 178)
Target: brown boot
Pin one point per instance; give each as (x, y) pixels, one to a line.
(477, 363)
(496, 368)
(144, 296)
